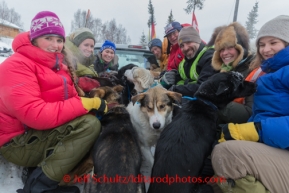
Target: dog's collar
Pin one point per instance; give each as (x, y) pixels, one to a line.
(204, 101)
(153, 85)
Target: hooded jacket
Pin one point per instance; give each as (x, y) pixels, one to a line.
(36, 91)
(83, 65)
(271, 101)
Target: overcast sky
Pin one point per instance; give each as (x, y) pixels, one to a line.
(133, 14)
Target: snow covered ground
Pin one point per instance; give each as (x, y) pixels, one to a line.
(10, 177)
(10, 174)
(6, 43)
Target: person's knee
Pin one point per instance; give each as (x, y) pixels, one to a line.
(93, 126)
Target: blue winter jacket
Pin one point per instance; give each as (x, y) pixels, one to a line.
(271, 101)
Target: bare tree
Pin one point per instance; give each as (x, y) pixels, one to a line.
(107, 31)
(170, 18)
(252, 20)
(9, 15)
(193, 4)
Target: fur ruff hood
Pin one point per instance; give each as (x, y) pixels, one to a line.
(232, 35)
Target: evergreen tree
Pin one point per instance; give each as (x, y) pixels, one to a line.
(143, 40)
(152, 15)
(170, 18)
(252, 20)
(193, 4)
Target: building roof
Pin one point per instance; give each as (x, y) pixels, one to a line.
(9, 24)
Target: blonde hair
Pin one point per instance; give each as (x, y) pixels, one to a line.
(68, 62)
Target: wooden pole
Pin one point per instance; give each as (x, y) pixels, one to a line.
(236, 10)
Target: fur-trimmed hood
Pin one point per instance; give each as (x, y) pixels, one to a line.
(232, 35)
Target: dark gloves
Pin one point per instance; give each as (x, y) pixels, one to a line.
(246, 131)
(169, 79)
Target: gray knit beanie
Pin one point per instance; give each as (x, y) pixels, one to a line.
(277, 27)
(81, 34)
(189, 34)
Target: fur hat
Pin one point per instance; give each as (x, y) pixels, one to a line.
(171, 27)
(155, 42)
(81, 34)
(232, 35)
(277, 27)
(189, 34)
(46, 23)
(107, 45)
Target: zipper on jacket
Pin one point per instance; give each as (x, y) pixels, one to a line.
(65, 87)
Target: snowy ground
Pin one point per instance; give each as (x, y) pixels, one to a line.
(5, 42)
(10, 177)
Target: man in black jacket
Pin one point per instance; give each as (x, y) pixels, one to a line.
(196, 66)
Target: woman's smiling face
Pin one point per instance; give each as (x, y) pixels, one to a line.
(269, 46)
(86, 47)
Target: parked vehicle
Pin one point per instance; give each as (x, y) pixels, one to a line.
(5, 52)
(135, 54)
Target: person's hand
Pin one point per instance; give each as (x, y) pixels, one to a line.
(169, 78)
(94, 103)
(246, 131)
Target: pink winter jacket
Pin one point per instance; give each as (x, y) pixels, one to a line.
(36, 91)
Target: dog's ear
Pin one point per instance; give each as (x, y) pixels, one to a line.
(222, 87)
(175, 96)
(99, 92)
(138, 97)
(118, 88)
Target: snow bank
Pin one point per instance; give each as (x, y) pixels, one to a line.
(5, 43)
(10, 176)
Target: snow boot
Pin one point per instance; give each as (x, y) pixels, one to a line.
(38, 182)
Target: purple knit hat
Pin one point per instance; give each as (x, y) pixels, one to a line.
(46, 22)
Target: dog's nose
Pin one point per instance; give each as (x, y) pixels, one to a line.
(156, 125)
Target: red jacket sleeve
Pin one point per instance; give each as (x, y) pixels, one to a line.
(22, 99)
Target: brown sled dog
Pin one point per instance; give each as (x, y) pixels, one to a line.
(112, 97)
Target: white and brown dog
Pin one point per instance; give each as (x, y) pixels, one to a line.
(150, 112)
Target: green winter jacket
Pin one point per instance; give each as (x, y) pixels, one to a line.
(83, 65)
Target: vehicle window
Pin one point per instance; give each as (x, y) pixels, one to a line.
(137, 57)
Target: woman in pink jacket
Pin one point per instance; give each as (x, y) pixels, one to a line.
(43, 121)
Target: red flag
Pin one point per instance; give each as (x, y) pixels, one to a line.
(88, 14)
(195, 22)
(153, 34)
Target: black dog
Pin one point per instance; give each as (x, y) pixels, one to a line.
(116, 155)
(187, 141)
(128, 90)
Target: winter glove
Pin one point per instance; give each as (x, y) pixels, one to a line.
(169, 79)
(94, 103)
(246, 131)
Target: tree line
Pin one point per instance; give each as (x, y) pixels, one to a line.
(117, 33)
(192, 5)
(9, 15)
